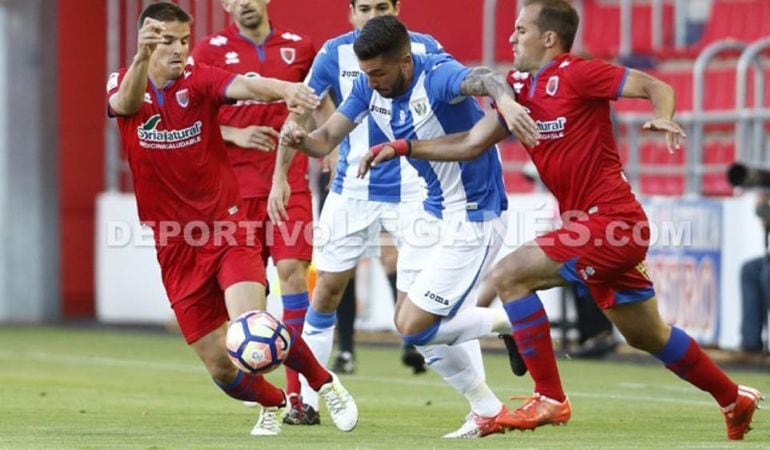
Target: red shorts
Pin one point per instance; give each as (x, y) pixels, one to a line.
(604, 256)
(293, 239)
(195, 278)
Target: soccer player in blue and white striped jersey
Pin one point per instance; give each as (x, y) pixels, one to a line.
(385, 199)
(403, 95)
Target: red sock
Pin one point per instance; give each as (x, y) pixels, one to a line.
(532, 333)
(294, 309)
(253, 388)
(695, 366)
(302, 360)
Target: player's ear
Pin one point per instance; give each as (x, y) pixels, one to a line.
(397, 8)
(226, 5)
(550, 39)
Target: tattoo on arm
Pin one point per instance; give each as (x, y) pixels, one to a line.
(483, 81)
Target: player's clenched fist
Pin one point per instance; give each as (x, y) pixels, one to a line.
(293, 135)
(300, 98)
(150, 35)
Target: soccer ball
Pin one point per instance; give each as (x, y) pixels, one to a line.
(257, 342)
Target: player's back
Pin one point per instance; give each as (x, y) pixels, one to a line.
(333, 73)
(175, 150)
(577, 157)
(431, 108)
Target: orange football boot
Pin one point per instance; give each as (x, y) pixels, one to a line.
(738, 415)
(536, 411)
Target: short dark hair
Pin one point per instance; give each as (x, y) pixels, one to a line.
(382, 36)
(392, 2)
(164, 12)
(558, 16)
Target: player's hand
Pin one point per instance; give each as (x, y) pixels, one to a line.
(300, 98)
(261, 138)
(383, 152)
(277, 201)
(293, 135)
(674, 133)
(149, 36)
(518, 121)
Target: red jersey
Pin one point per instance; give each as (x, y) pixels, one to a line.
(577, 157)
(284, 55)
(175, 149)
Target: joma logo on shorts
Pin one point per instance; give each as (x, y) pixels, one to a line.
(436, 298)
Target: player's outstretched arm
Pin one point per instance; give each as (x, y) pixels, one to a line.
(280, 191)
(299, 98)
(130, 96)
(483, 81)
(452, 147)
(661, 95)
(320, 142)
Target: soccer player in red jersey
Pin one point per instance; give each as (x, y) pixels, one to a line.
(604, 240)
(254, 46)
(187, 193)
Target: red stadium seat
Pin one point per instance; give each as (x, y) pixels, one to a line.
(601, 27)
(745, 20)
(717, 153)
(655, 152)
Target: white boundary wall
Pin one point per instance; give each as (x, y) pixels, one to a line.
(129, 289)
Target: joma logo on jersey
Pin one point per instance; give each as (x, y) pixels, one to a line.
(350, 73)
(436, 298)
(379, 110)
(151, 137)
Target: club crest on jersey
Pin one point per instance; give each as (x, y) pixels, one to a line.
(420, 106)
(552, 86)
(288, 54)
(183, 98)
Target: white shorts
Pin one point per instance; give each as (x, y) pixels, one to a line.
(349, 230)
(456, 265)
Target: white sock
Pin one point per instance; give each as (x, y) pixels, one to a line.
(471, 323)
(321, 343)
(474, 350)
(453, 363)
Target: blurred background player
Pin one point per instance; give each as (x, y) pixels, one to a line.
(255, 47)
(755, 290)
(167, 115)
(404, 94)
(388, 195)
(604, 240)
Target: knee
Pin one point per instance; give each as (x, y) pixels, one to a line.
(413, 333)
(328, 292)
(651, 342)
(293, 274)
(509, 282)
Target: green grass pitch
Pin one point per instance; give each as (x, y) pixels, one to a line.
(72, 388)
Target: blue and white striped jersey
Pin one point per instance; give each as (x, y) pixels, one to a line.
(434, 107)
(334, 70)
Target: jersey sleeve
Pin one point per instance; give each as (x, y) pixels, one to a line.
(445, 78)
(113, 86)
(322, 72)
(597, 80)
(356, 106)
(213, 82)
(432, 45)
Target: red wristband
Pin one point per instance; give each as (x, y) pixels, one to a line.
(402, 147)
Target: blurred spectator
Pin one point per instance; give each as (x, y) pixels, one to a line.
(755, 288)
